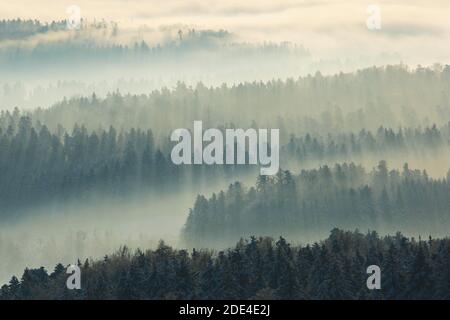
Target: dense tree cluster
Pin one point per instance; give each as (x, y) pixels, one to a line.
(37, 165)
(40, 167)
(258, 268)
(319, 199)
(19, 29)
(104, 43)
(91, 141)
(385, 141)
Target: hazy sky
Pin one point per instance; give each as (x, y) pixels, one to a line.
(417, 29)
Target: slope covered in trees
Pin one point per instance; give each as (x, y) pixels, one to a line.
(85, 165)
(316, 200)
(20, 29)
(257, 268)
(392, 96)
(38, 165)
(100, 52)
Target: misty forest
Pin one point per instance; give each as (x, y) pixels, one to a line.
(86, 175)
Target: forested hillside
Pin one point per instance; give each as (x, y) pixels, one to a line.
(345, 196)
(38, 165)
(367, 99)
(211, 148)
(257, 268)
(103, 56)
(19, 29)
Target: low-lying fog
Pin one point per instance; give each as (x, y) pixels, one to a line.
(95, 228)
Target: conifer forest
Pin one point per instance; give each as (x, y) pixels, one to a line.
(259, 150)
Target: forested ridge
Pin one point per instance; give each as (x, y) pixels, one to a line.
(256, 268)
(100, 51)
(19, 28)
(86, 42)
(87, 116)
(38, 165)
(391, 96)
(345, 195)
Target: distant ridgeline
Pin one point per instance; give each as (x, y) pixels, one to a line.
(256, 269)
(21, 29)
(34, 45)
(311, 104)
(306, 205)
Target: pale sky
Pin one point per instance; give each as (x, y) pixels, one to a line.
(418, 29)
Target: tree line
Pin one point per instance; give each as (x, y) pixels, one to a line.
(37, 165)
(379, 143)
(314, 104)
(40, 167)
(256, 268)
(317, 200)
(21, 28)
